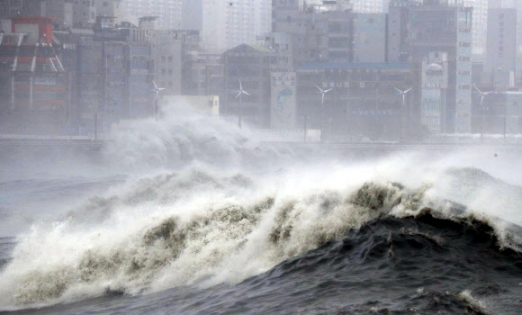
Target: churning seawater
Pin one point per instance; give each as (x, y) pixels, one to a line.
(187, 215)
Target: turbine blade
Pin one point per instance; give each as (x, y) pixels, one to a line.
(398, 90)
(407, 90)
(320, 90)
(155, 86)
(239, 94)
(476, 88)
(328, 90)
(245, 92)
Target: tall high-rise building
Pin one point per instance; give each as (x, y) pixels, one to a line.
(86, 12)
(417, 30)
(501, 47)
(480, 26)
(226, 24)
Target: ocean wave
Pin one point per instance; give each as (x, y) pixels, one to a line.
(202, 228)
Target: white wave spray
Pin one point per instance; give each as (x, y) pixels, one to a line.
(232, 210)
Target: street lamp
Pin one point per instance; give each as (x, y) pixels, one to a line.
(403, 93)
(323, 93)
(240, 93)
(482, 95)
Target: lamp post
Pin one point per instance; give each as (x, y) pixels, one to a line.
(323, 93)
(403, 93)
(482, 96)
(240, 93)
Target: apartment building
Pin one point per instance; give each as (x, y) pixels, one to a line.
(227, 24)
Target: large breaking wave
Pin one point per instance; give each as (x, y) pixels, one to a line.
(234, 209)
(198, 227)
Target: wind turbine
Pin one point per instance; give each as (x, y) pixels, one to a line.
(156, 93)
(482, 95)
(323, 93)
(156, 89)
(403, 93)
(240, 93)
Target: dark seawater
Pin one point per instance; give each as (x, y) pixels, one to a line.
(421, 265)
(189, 216)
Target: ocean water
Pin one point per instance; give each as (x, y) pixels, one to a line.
(189, 215)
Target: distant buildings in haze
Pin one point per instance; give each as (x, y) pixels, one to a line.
(366, 53)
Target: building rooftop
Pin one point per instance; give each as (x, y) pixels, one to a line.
(346, 65)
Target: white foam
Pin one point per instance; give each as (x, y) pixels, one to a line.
(237, 210)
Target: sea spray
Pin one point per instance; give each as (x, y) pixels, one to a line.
(181, 229)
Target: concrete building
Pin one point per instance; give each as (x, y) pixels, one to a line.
(60, 10)
(34, 86)
(283, 109)
(85, 12)
(434, 91)
(168, 12)
(316, 33)
(418, 29)
(480, 26)
(172, 64)
(114, 65)
(249, 67)
(227, 24)
(115, 76)
(370, 6)
(501, 59)
(10, 8)
(502, 115)
(363, 102)
(369, 38)
(205, 75)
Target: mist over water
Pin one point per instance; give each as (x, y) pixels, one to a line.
(191, 200)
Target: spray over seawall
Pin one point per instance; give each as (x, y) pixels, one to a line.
(228, 208)
(201, 227)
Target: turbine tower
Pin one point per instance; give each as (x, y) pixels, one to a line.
(323, 93)
(403, 93)
(482, 96)
(156, 93)
(240, 93)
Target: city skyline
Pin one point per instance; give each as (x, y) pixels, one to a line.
(426, 48)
